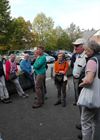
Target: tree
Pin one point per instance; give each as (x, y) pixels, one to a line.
(64, 42)
(43, 27)
(20, 34)
(62, 39)
(73, 31)
(4, 21)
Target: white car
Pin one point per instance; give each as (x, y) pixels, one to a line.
(49, 59)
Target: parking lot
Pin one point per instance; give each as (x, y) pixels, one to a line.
(19, 121)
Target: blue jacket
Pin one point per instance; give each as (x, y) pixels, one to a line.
(25, 66)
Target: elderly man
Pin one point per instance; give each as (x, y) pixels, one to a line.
(25, 66)
(40, 71)
(79, 64)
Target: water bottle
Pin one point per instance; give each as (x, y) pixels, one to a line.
(1, 137)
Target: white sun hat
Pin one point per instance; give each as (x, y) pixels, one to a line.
(79, 41)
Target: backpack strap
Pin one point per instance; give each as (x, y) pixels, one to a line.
(97, 58)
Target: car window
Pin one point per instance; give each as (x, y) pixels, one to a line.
(29, 52)
(46, 54)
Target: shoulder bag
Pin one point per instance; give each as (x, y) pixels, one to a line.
(90, 96)
(12, 76)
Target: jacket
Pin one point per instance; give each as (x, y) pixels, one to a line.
(39, 65)
(8, 68)
(61, 66)
(1, 69)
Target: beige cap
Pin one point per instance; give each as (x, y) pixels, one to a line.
(79, 41)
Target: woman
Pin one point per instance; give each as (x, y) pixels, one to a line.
(89, 117)
(60, 68)
(11, 67)
(4, 95)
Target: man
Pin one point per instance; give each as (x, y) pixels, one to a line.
(25, 66)
(79, 64)
(40, 71)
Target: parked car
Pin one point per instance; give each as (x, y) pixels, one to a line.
(68, 54)
(20, 56)
(7, 55)
(49, 59)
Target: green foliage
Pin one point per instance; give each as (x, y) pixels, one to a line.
(51, 38)
(64, 42)
(21, 36)
(4, 15)
(4, 21)
(42, 26)
(73, 31)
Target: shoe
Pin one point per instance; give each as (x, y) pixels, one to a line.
(78, 126)
(79, 136)
(6, 101)
(25, 95)
(63, 104)
(36, 106)
(35, 97)
(74, 104)
(58, 103)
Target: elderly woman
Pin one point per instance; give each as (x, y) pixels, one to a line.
(25, 66)
(60, 68)
(11, 68)
(89, 117)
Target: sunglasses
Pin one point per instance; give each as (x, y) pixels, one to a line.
(78, 45)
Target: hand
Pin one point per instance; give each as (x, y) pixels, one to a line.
(31, 73)
(81, 84)
(84, 83)
(62, 72)
(17, 73)
(76, 76)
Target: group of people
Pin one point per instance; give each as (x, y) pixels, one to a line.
(10, 74)
(84, 72)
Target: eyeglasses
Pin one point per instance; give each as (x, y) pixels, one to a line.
(78, 45)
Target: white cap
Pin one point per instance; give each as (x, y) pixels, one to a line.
(79, 41)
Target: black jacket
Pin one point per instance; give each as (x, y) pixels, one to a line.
(1, 69)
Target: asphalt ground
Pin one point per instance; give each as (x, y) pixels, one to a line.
(18, 121)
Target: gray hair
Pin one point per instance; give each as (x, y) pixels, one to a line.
(12, 55)
(93, 45)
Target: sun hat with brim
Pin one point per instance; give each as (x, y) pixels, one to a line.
(79, 41)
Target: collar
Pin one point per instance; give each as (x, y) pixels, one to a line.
(82, 55)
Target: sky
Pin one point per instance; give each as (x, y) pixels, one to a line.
(83, 13)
